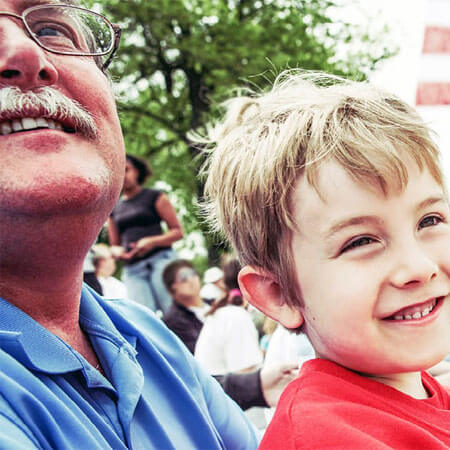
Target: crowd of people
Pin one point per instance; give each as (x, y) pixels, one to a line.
(333, 198)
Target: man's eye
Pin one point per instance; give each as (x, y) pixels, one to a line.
(359, 242)
(430, 221)
(47, 31)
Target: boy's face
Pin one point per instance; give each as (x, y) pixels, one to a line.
(374, 271)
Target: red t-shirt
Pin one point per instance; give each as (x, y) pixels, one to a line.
(329, 406)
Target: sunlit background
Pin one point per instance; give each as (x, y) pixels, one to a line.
(420, 73)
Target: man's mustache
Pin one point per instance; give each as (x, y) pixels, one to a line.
(49, 103)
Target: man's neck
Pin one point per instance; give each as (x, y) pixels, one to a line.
(41, 269)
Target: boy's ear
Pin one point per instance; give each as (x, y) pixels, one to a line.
(263, 292)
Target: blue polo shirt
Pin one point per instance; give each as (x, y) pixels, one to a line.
(154, 395)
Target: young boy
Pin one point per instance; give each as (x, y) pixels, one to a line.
(332, 194)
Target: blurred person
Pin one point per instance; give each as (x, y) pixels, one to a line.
(213, 288)
(89, 276)
(268, 328)
(185, 318)
(228, 341)
(187, 313)
(105, 267)
(78, 371)
(138, 239)
(286, 347)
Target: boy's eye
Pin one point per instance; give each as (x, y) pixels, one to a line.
(430, 221)
(358, 242)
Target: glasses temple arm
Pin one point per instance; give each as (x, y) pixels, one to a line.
(117, 33)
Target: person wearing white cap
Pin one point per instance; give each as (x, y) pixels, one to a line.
(213, 287)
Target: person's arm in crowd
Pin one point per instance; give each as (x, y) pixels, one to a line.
(262, 387)
(175, 231)
(114, 239)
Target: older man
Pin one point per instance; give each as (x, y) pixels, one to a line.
(76, 371)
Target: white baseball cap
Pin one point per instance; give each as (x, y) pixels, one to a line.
(212, 275)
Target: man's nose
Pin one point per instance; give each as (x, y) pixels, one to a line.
(22, 62)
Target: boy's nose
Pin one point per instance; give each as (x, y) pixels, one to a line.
(413, 267)
(22, 62)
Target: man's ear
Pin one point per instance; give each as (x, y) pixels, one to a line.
(263, 292)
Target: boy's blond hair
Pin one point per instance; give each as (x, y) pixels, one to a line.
(268, 140)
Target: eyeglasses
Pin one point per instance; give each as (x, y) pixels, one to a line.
(184, 274)
(71, 30)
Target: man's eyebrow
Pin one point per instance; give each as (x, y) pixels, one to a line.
(351, 221)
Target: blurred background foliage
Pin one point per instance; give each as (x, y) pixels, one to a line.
(178, 59)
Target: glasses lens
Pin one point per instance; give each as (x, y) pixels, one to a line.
(70, 30)
(185, 274)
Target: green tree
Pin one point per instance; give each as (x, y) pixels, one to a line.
(179, 58)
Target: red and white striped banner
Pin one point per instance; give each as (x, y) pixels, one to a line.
(434, 76)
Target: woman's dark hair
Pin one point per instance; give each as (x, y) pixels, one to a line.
(141, 166)
(231, 271)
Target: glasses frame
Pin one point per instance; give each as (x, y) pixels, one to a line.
(116, 30)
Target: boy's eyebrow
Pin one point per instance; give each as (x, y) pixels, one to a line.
(431, 201)
(359, 220)
(364, 220)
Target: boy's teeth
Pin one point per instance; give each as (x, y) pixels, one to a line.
(417, 314)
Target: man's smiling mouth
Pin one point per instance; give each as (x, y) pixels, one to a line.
(32, 123)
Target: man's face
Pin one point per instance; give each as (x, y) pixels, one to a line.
(48, 170)
(374, 271)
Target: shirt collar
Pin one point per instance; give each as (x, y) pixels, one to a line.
(38, 349)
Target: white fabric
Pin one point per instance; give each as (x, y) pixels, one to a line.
(200, 311)
(228, 341)
(211, 292)
(287, 347)
(112, 287)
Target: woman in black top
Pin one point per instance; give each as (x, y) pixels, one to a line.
(137, 238)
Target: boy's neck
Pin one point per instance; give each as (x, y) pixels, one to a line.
(409, 383)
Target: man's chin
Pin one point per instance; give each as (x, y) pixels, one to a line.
(71, 197)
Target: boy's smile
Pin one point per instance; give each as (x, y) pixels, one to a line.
(374, 270)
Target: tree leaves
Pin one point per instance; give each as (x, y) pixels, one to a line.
(179, 58)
